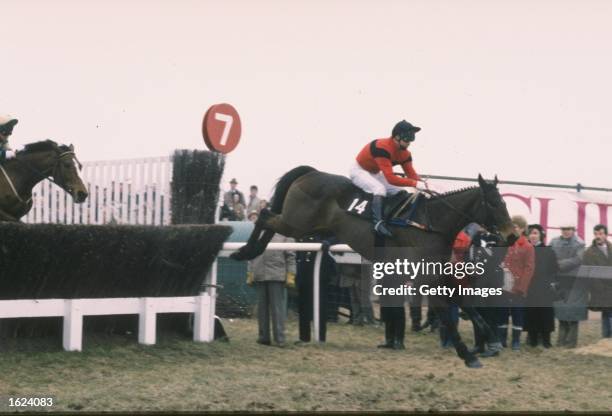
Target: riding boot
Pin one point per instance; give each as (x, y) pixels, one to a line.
(503, 335)
(389, 335)
(516, 339)
(379, 223)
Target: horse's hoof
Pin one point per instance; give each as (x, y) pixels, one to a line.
(475, 363)
(495, 346)
(489, 354)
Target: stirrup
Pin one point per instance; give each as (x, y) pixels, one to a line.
(381, 229)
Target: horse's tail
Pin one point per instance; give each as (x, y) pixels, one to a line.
(256, 244)
(283, 185)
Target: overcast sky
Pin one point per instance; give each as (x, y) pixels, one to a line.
(518, 88)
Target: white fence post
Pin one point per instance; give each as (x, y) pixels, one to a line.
(73, 325)
(212, 292)
(147, 320)
(201, 323)
(316, 276)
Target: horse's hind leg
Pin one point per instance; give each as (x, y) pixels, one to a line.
(443, 311)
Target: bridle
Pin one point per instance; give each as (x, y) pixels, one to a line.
(49, 173)
(486, 220)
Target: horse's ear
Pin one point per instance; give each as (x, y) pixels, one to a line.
(495, 181)
(71, 147)
(481, 181)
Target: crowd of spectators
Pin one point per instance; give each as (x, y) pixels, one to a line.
(236, 208)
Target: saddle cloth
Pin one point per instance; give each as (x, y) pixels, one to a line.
(360, 204)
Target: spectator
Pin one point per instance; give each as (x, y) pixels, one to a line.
(270, 272)
(359, 293)
(254, 203)
(573, 307)
(253, 216)
(539, 313)
(263, 204)
(228, 197)
(518, 272)
(600, 254)
(305, 284)
(237, 209)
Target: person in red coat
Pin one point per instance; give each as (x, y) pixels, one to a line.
(518, 265)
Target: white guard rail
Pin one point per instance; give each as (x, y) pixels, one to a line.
(202, 306)
(73, 310)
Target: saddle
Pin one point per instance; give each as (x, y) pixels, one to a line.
(393, 206)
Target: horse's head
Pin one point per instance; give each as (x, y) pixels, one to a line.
(57, 163)
(66, 174)
(492, 211)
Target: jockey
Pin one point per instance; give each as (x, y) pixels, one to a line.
(6, 129)
(373, 169)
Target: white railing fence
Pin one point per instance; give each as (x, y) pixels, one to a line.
(131, 191)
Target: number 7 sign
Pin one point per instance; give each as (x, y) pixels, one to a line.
(221, 128)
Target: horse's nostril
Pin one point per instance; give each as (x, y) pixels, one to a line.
(81, 196)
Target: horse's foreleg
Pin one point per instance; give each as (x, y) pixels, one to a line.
(443, 311)
(490, 336)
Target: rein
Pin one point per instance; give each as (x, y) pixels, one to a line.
(470, 218)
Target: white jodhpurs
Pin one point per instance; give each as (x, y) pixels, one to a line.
(374, 183)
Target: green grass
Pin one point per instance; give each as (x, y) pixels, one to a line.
(347, 373)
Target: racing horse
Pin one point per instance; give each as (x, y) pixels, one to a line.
(37, 161)
(308, 202)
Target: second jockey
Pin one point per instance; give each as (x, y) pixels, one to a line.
(6, 129)
(373, 169)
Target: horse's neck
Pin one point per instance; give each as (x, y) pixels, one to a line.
(24, 179)
(448, 220)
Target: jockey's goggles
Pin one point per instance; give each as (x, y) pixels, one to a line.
(407, 138)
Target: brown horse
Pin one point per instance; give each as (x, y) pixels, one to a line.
(309, 202)
(37, 161)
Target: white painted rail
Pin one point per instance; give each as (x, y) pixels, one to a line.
(130, 191)
(73, 311)
(202, 306)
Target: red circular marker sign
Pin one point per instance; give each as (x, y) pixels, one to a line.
(221, 128)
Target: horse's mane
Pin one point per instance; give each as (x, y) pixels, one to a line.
(43, 146)
(457, 191)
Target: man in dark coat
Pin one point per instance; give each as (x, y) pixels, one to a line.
(539, 313)
(305, 284)
(600, 254)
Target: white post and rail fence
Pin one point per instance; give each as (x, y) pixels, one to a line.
(202, 306)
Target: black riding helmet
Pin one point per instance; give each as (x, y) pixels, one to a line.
(405, 131)
(6, 124)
